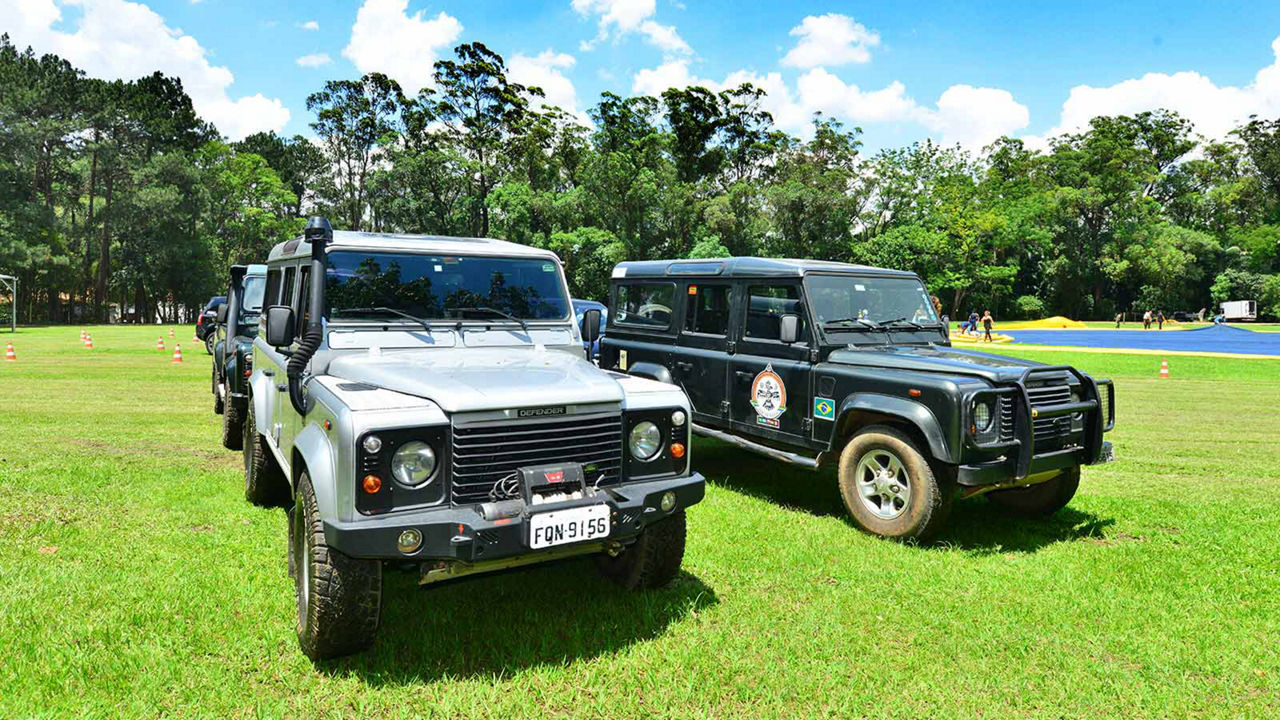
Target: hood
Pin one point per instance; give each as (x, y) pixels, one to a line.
(936, 359)
(467, 379)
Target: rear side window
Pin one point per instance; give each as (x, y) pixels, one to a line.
(647, 305)
(272, 294)
(286, 296)
(766, 304)
(707, 309)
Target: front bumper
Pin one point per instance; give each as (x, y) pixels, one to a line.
(1005, 470)
(461, 533)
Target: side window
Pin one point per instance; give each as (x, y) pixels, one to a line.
(646, 305)
(766, 304)
(286, 295)
(300, 303)
(272, 294)
(707, 309)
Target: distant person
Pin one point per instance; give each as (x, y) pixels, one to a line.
(1146, 320)
(1119, 317)
(973, 321)
(986, 326)
(937, 305)
(1160, 320)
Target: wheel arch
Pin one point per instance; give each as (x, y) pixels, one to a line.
(653, 371)
(313, 454)
(862, 410)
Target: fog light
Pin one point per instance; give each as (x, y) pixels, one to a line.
(677, 450)
(668, 502)
(409, 542)
(371, 484)
(678, 418)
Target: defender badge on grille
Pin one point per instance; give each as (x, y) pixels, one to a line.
(541, 412)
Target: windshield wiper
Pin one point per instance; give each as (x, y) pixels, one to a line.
(523, 325)
(895, 321)
(864, 323)
(424, 323)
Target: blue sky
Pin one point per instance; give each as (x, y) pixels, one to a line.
(958, 72)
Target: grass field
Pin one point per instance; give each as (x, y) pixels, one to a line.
(136, 581)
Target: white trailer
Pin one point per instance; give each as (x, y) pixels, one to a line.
(1240, 310)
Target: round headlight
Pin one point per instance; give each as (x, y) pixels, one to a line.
(982, 416)
(645, 441)
(414, 463)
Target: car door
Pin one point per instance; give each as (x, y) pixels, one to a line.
(700, 362)
(769, 386)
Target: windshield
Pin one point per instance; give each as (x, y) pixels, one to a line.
(443, 287)
(254, 288)
(845, 299)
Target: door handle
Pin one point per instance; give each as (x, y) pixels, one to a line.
(268, 372)
(685, 366)
(742, 374)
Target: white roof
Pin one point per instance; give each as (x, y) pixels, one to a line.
(426, 244)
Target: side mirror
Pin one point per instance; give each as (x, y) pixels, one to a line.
(280, 326)
(590, 326)
(789, 328)
(222, 313)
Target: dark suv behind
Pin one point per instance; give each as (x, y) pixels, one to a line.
(207, 323)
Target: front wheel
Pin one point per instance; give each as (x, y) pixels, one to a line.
(339, 598)
(1041, 499)
(233, 425)
(653, 560)
(889, 488)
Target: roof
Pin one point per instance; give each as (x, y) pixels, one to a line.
(428, 244)
(745, 267)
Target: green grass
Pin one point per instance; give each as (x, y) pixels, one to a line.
(136, 581)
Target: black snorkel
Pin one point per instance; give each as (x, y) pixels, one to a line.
(235, 298)
(318, 233)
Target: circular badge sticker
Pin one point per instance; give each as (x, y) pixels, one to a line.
(768, 397)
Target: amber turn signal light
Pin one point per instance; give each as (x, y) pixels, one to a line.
(371, 484)
(677, 450)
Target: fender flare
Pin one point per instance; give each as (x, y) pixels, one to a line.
(313, 448)
(259, 390)
(653, 371)
(909, 411)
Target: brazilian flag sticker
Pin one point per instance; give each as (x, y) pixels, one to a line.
(824, 408)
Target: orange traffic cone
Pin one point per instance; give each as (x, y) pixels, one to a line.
(177, 353)
(9, 354)
(1164, 369)
(88, 341)
(160, 343)
(82, 334)
(170, 332)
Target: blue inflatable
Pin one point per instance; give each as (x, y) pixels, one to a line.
(1214, 338)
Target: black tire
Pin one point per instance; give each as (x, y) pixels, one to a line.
(264, 484)
(233, 425)
(217, 396)
(339, 598)
(653, 560)
(209, 341)
(1039, 500)
(914, 512)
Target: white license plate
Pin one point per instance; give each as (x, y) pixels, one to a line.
(568, 526)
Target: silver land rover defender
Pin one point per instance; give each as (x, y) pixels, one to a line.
(427, 400)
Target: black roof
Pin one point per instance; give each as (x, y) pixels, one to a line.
(736, 267)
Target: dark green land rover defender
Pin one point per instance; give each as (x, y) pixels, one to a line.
(808, 362)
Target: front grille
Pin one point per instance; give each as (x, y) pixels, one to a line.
(488, 451)
(1050, 433)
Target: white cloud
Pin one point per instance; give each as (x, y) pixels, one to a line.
(621, 17)
(309, 25)
(1215, 110)
(314, 60)
(546, 71)
(830, 40)
(386, 39)
(119, 39)
(970, 116)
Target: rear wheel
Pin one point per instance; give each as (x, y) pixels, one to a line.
(1041, 499)
(339, 598)
(264, 484)
(889, 488)
(209, 341)
(653, 560)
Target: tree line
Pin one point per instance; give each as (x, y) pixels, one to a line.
(116, 194)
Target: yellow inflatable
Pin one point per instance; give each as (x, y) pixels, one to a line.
(1057, 322)
(959, 338)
